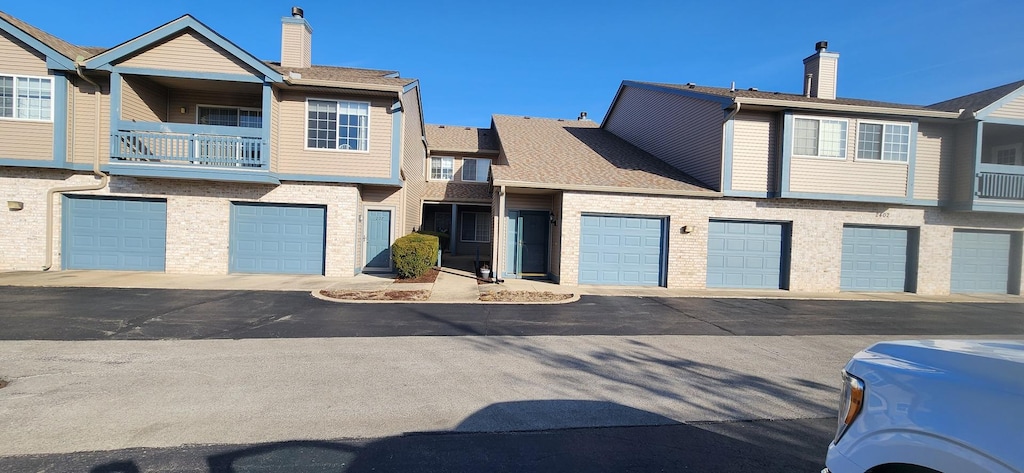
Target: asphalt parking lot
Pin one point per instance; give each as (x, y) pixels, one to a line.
(36, 313)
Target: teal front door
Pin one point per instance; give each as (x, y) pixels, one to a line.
(528, 242)
(378, 239)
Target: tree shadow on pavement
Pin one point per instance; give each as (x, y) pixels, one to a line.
(657, 443)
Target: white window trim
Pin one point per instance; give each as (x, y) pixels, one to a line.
(462, 172)
(53, 98)
(846, 149)
(1016, 147)
(305, 127)
(880, 160)
(430, 168)
(250, 109)
(475, 235)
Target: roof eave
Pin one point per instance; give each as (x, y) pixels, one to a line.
(607, 189)
(463, 150)
(838, 107)
(344, 85)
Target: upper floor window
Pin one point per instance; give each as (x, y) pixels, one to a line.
(883, 141)
(441, 168)
(28, 98)
(475, 170)
(819, 137)
(229, 116)
(338, 124)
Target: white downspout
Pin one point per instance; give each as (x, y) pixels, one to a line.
(103, 178)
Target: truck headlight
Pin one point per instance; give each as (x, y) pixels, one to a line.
(851, 400)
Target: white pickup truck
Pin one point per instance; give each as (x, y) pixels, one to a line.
(949, 406)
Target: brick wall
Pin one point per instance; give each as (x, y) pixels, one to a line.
(198, 217)
(817, 227)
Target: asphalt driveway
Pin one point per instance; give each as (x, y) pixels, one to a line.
(33, 313)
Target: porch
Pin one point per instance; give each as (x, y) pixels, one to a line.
(1000, 173)
(467, 225)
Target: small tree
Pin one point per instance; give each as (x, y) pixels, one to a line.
(414, 254)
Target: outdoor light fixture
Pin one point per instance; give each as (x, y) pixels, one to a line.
(685, 229)
(554, 219)
(14, 205)
(183, 110)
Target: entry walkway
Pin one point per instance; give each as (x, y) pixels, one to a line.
(452, 285)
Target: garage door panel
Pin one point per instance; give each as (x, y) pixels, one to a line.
(874, 259)
(114, 233)
(620, 250)
(269, 238)
(745, 254)
(981, 262)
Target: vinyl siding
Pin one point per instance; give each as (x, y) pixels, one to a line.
(26, 140)
(295, 45)
(824, 69)
(754, 152)
(190, 99)
(413, 153)
(143, 100)
(684, 132)
(819, 175)
(963, 162)
(933, 165)
(82, 128)
(1012, 109)
(19, 58)
(275, 129)
(188, 51)
(528, 201)
(294, 158)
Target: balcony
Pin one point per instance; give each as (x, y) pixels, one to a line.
(190, 152)
(1000, 182)
(189, 147)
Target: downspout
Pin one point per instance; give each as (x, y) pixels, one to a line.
(734, 111)
(103, 178)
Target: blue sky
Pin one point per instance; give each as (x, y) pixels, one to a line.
(555, 59)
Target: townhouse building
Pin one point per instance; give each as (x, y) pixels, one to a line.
(689, 186)
(179, 151)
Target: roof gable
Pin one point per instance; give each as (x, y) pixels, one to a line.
(178, 30)
(983, 102)
(59, 53)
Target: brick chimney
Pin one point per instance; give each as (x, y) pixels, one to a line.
(296, 36)
(820, 72)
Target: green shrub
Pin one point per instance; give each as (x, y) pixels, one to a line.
(443, 238)
(414, 254)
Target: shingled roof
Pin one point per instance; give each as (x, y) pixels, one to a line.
(730, 93)
(978, 100)
(65, 48)
(573, 154)
(344, 74)
(461, 139)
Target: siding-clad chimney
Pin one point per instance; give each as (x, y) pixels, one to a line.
(296, 39)
(820, 72)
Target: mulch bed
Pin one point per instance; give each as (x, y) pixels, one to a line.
(428, 277)
(523, 296)
(421, 295)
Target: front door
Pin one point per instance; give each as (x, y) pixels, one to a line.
(528, 242)
(378, 239)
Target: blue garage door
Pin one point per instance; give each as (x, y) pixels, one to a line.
(981, 262)
(745, 254)
(625, 251)
(874, 259)
(114, 233)
(281, 239)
